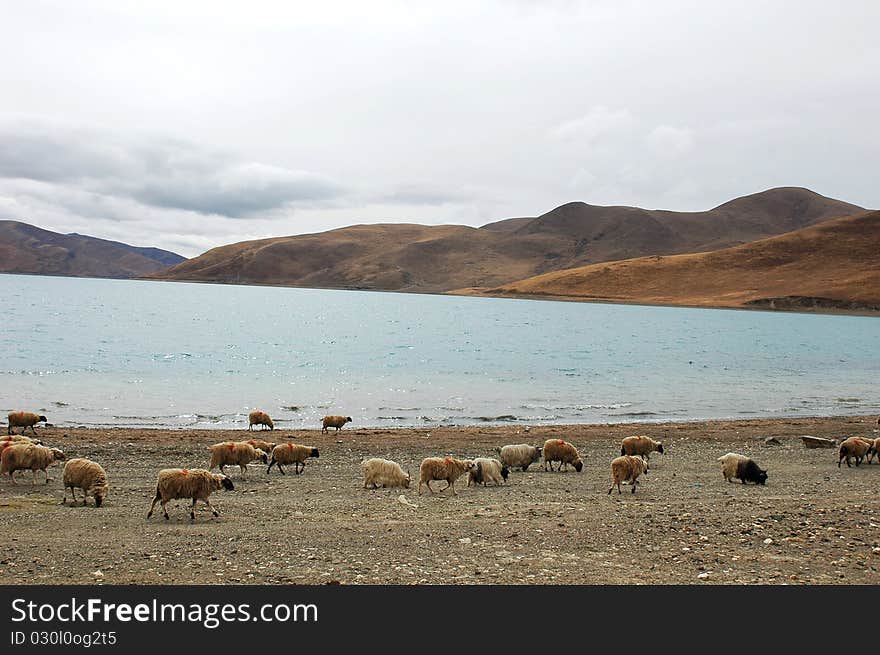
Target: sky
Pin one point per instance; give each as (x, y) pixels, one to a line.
(188, 125)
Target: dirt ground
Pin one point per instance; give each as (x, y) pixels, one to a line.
(813, 523)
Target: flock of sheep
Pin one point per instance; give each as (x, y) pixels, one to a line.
(19, 452)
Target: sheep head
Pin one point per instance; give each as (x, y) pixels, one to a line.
(227, 483)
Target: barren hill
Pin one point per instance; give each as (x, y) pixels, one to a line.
(28, 249)
(408, 257)
(832, 265)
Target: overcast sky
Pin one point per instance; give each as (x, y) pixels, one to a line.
(187, 125)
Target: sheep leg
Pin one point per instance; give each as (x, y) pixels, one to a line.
(64, 500)
(192, 511)
(85, 497)
(280, 468)
(243, 468)
(271, 464)
(299, 467)
(208, 503)
(427, 484)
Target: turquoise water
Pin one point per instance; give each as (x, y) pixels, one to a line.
(118, 352)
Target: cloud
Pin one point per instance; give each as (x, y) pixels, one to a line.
(594, 124)
(671, 141)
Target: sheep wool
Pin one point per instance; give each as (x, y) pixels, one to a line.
(23, 420)
(853, 447)
(627, 468)
(259, 418)
(197, 484)
(384, 473)
(231, 453)
(734, 465)
(291, 453)
(522, 455)
(334, 422)
(86, 475)
(442, 468)
(259, 444)
(24, 456)
(557, 450)
(487, 469)
(640, 445)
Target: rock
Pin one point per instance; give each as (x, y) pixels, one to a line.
(403, 500)
(703, 575)
(768, 541)
(818, 442)
(772, 441)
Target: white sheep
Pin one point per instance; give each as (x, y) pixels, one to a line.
(627, 468)
(86, 475)
(197, 484)
(442, 468)
(231, 453)
(24, 456)
(384, 473)
(487, 469)
(522, 455)
(23, 420)
(334, 422)
(557, 450)
(291, 453)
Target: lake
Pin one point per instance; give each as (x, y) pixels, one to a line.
(96, 352)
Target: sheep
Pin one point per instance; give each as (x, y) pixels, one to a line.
(291, 453)
(734, 465)
(487, 470)
(230, 453)
(853, 447)
(522, 455)
(384, 473)
(334, 422)
(265, 446)
(257, 417)
(442, 468)
(24, 420)
(88, 476)
(874, 450)
(28, 456)
(557, 450)
(627, 468)
(197, 484)
(641, 445)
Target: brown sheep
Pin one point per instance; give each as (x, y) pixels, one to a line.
(259, 444)
(627, 468)
(291, 453)
(853, 447)
(874, 450)
(334, 422)
(230, 453)
(557, 450)
(24, 420)
(640, 445)
(197, 484)
(442, 468)
(257, 417)
(87, 475)
(24, 456)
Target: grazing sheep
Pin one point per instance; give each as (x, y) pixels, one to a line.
(87, 475)
(23, 420)
(874, 450)
(734, 465)
(257, 417)
(557, 450)
(522, 455)
(627, 468)
(442, 468)
(853, 447)
(197, 484)
(230, 453)
(291, 453)
(334, 422)
(384, 473)
(640, 445)
(28, 456)
(259, 444)
(487, 470)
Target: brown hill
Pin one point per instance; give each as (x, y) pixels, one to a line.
(833, 265)
(28, 249)
(407, 257)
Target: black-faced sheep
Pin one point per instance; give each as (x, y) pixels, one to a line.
(257, 417)
(334, 422)
(734, 465)
(86, 475)
(442, 468)
(291, 453)
(487, 469)
(522, 455)
(197, 484)
(24, 456)
(627, 468)
(640, 445)
(557, 450)
(384, 473)
(231, 453)
(23, 420)
(853, 447)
